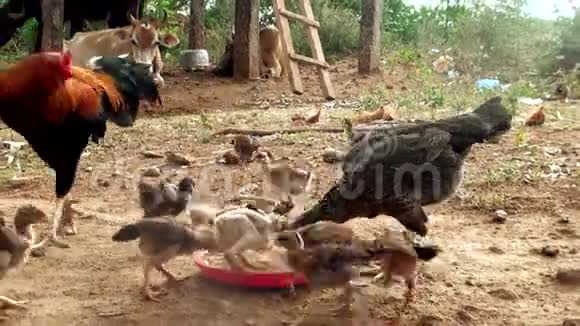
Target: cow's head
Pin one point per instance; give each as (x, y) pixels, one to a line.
(146, 39)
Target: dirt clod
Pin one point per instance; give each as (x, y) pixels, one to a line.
(568, 276)
(504, 294)
(550, 251)
(152, 172)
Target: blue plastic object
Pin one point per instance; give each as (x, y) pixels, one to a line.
(487, 83)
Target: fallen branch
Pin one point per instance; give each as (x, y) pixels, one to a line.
(260, 133)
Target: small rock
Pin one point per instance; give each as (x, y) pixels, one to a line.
(504, 294)
(250, 322)
(152, 172)
(573, 251)
(568, 276)
(564, 220)
(88, 168)
(550, 251)
(116, 173)
(500, 216)
(470, 282)
(496, 250)
(571, 322)
(151, 154)
(103, 183)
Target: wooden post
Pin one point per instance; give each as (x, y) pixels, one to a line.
(370, 36)
(196, 24)
(52, 25)
(246, 41)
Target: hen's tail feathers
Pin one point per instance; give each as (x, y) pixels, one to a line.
(127, 233)
(427, 253)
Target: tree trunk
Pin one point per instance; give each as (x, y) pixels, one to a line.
(196, 24)
(246, 42)
(370, 36)
(52, 25)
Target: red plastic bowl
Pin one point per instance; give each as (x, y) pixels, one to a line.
(272, 280)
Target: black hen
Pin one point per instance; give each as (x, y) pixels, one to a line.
(165, 198)
(396, 171)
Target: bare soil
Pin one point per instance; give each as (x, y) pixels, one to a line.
(489, 273)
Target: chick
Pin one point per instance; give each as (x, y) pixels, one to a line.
(366, 117)
(402, 261)
(331, 265)
(245, 146)
(318, 233)
(537, 118)
(162, 239)
(314, 117)
(241, 229)
(563, 92)
(165, 198)
(16, 245)
(286, 178)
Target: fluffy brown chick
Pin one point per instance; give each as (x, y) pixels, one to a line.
(537, 118)
(162, 239)
(15, 245)
(322, 232)
(366, 117)
(245, 146)
(314, 117)
(401, 262)
(330, 266)
(230, 158)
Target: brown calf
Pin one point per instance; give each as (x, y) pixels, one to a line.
(140, 40)
(273, 65)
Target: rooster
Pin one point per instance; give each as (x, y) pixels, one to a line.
(57, 107)
(398, 170)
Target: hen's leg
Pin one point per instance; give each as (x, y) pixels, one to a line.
(11, 303)
(410, 294)
(149, 293)
(170, 276)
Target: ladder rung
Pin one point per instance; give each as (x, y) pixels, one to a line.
(308, 60)
(301, 18)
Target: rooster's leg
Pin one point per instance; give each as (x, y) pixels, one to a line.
(69, 223)
(57, 223)
(11, 303)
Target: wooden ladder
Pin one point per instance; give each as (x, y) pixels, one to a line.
(311, 27)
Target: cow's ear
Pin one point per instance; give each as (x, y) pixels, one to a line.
(168, 40)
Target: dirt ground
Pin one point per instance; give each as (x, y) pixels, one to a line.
(490, 273)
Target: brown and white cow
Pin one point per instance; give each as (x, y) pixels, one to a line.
(140, 41)
(273, 64)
